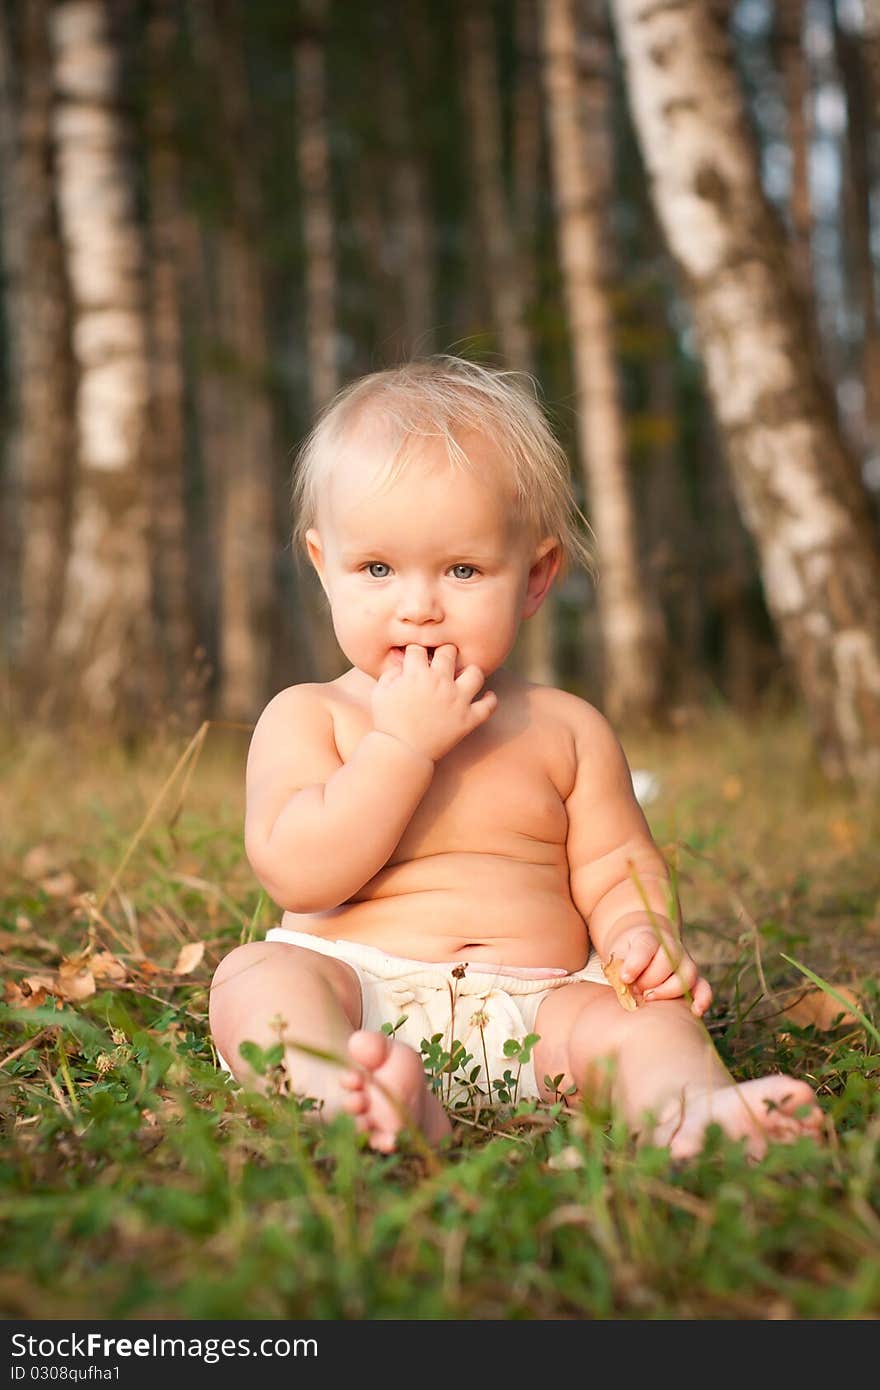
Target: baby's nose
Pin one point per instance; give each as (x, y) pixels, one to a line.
(419, 603)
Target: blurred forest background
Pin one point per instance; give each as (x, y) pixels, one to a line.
(217, 212)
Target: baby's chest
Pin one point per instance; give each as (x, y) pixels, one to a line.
(501, 790)
(489, 798)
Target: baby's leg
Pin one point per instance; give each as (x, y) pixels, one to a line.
(315, 1000)
(664, 1073)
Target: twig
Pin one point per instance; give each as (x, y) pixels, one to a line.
(26, 1046)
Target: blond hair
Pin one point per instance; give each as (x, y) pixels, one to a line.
(443, 397)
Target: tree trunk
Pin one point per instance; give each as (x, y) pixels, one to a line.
(789, 40)
(630, 625)
(248, 535)
(171, 559)
(105, 637)
(859, 135)
(317, 206)
(493, 211)
(795, 484)
(535, 655)
(412, 235)
(41, 439)
(320, 286)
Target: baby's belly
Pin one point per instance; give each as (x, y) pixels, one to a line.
(462, 907)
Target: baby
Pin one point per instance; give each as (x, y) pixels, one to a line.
(452, 845)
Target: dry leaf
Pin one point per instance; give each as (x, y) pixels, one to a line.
(820, 1009)
(189, 957)
(39, 982)
(624, 994)
(59, 885)
(75, 979)
(105, 966)
(38, 862)
(732, 788)
(23, 996)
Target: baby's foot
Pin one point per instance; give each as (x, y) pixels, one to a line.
(387, 1092)
(758, 1111)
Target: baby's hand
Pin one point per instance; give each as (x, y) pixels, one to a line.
(657, 966)
(426, 705)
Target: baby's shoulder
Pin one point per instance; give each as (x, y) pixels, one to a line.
(298, 712)
(293, 701)
(582, 719)
(597, 755)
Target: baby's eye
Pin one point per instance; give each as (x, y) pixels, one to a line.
(375, 565)
(457, 571)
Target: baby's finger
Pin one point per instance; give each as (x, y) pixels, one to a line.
(414, 656)
(470, 680)
(666, 960)
(638, 956)
(484, 707)
(702, 997)
(445, 655)
(680, 982)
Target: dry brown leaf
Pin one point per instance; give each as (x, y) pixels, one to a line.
(820, 1009)
(75, 979)
(189, 957)
(732, 788)
(59, 885)
(36, 982)
(624, 994)
(23, 996)
(105, 966)
(39, 861)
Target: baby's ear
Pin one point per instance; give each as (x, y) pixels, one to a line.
(546, 559)
(316, 551)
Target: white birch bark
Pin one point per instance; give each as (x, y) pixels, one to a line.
(104, 636)
(629, 622)
(796, 486)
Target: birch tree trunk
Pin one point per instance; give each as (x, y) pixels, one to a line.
(105, 637)
(41, 439)
(629, 622)
(795, 484)
(320, 285)
(535, 654)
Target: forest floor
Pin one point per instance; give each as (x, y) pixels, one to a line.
(129, 1158)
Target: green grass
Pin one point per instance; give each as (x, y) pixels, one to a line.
(137, 1181)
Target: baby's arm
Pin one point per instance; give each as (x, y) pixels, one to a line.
(318, 829)
(620, 883)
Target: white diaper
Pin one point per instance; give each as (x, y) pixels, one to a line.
(469, 1003)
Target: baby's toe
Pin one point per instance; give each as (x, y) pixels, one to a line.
(368, 1049)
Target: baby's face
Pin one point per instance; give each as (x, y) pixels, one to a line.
(435, 556)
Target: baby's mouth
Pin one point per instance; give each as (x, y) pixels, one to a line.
(429, 650)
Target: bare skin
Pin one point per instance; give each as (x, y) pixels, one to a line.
(434, 805)
(386, 1092)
